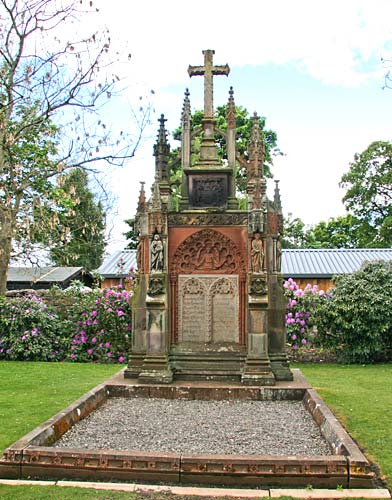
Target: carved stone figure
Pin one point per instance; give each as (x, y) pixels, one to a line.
(156, 254)
(156, 286)
(257, 253)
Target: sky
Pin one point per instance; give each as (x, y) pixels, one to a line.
(313, 69)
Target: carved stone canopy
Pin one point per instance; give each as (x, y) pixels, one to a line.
(207, 251)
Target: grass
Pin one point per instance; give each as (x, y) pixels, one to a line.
(360, 396)
(33, 392)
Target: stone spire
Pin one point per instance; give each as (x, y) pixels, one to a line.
(161, 152)
(141, 205)
(256, 150)
(231, 130)
(277, 199)
(186, 132)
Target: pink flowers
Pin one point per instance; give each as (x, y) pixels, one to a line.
(102, 334)
(298, 318)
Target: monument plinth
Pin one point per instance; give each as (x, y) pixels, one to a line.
(209, 301)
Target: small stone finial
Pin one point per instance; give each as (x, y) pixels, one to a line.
(186, 132)
(162, 150)
(141, 206)
(186, 108)
(230, 114)
(277, 199)
(256, 150)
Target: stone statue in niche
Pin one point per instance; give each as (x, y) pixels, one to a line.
(156, 254)
(257, 253)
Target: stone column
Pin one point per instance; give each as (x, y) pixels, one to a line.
(156, 367)
(257, 370)
(277, 333)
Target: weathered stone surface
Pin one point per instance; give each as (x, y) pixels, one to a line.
(208, 308)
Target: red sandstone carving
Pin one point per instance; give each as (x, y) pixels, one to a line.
(207, 251)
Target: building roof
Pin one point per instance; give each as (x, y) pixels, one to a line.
(325, 263)
(296, 263)
(42, 274)
(118, 264)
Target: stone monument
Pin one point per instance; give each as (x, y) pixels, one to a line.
(209, 302)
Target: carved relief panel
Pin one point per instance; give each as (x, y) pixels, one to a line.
(207, 251)
(208, 308)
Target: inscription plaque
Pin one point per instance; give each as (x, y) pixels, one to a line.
(208, 308)
(208, 190)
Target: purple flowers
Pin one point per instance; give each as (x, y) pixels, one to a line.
(300, 303)
(104, 333)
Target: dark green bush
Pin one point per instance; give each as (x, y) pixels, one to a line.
(356, 320)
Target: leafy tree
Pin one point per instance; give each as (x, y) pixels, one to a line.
(84, 243)
(295, 233)
(50, 93)
(369, 192)
(355, 320)
(131, 235)
(341, 232)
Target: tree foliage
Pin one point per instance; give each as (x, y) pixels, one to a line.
(131, 235)
(83, 244)
(356, 320)
(369, 192)
(51, 90)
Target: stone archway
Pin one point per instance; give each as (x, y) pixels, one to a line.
(208, 285)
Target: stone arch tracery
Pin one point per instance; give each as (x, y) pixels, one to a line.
(208, 252)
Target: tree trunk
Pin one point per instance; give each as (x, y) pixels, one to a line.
(6, 233)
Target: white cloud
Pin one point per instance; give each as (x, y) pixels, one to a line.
(332, 41)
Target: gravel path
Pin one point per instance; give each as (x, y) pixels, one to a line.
(213, 427)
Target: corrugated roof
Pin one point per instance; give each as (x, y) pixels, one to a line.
(118, 264)
(325, 263)
(296, 263)
(42, 274)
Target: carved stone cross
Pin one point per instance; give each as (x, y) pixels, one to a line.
(208, 70)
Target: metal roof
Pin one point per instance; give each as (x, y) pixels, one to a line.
(118, 264)
(42, 274)
(296, 263)
(325, 263)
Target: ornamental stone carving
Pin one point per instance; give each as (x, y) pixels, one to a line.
(207, 251)
(258, 286)
(156, 286)
(225, 219)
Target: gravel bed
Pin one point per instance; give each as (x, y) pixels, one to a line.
(211, 427)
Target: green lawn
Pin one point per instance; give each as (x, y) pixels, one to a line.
(360, 396)
(30, 393)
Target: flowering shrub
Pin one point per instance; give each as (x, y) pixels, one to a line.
(299, 315)
(103, 328)
(77, 326)
(29, 331)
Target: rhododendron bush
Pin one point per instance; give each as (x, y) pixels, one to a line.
(94, 326)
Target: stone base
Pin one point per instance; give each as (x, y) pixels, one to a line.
(135, 365)
(156, 370)
(280, 367)
(257, 372)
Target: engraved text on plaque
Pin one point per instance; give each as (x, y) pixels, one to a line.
(208, 308)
